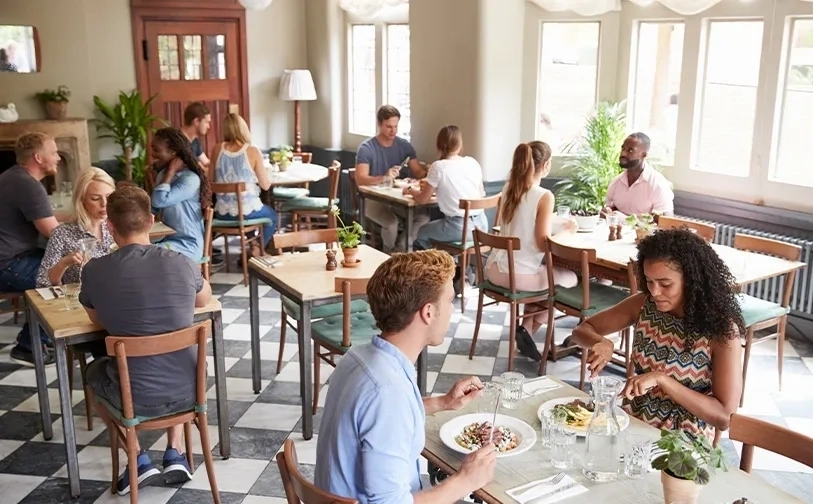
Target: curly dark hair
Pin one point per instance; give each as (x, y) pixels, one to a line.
(710, 291)
(178, 143)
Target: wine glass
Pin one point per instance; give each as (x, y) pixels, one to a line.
(86, 247)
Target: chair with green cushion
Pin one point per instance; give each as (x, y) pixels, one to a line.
(760, 314)
(304, 210)
(464, 248)
(582, 301)
(338, 333)
(281, 194)
(484, 241)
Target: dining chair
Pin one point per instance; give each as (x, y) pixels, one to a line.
(123, 424)
(205, 262)
(241, 227)
(515, 298)
(17, 301)
(354, 191)
(759, 314)
(298, 488)
(463, 248)
(279, 195)
(308, 208)
(769, 436)
(338, 333)
(705, 231)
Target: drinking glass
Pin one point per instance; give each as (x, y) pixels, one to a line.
(487, 403)
(613, 220)
(548, 422)
(72, 295)
(562, 441)
(563, 211)
(296, 159)
(512, 383)
(637, 451)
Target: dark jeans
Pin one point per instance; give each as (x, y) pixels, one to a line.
(265, 212)
(20, 275)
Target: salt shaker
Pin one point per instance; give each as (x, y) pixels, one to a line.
(612, 235)
(331, 261)
(618, 231)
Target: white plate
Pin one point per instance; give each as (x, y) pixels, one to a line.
(623, 418)
(452, 428)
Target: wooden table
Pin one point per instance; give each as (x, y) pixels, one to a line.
(302, 278)
(69, 327)
(296, 174)
(395, 197)
(725, 487)
(64, 213)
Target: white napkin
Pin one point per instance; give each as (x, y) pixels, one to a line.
(539, 386)
(524, 495)
(48, 292)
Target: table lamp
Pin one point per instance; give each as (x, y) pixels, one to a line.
(297, 86)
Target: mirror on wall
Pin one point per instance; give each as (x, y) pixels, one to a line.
(19, 51)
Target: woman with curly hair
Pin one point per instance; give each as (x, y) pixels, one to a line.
(686, 350)
(181, 193)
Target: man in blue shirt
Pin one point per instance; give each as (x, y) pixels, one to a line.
(379, 158)
(372, 429)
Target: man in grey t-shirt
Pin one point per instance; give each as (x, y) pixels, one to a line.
(142, 290)
(380, 157)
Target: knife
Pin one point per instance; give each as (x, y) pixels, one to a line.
(543, 498)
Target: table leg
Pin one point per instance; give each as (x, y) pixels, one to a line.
(39, 372)
(363, 218)
(305, 374)
(220, 385)
(254, 312)
(62, 369)
(422, 357)
(410, 214)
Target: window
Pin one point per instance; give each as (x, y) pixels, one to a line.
(795, 138)
(362, 105)
(656, 82)
(567, 83)
(398, 73)
(729, 97)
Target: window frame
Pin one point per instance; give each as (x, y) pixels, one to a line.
(351, 127)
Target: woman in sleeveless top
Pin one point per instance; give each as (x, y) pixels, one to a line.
(686, 351)
(527, 212)
(236, 160)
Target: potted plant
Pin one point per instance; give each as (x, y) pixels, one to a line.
(593, 163)
(55, 102)
(129, 123)
(349, 238)
(644, 225)
(688, 464)
(282, 157)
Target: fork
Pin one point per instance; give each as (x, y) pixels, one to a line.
(552, 482)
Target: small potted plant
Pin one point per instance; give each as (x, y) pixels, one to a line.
(55, 102)
(349, 238)
(688, 464)
(282, 157)
(644, 225)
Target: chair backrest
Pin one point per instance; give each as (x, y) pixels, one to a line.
(775, 438)
(467, 205)
(573, 256)
(354, 189)
(298, 490)
(303, 238)
(208, 215)
(484, 240)
(334, 172)
(705, 231)
(307, 157)
(236, 188)
(774, 248)
(349, 287)
(122, 347)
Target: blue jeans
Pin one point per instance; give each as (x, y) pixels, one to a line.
(20, 275)
(265, 212)
(448, 229)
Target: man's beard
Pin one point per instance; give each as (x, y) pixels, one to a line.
(631, 164)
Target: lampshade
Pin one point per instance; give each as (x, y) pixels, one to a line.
(297, 85)
(255, 4)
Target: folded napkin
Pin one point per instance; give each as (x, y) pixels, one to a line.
(539, 386)
(51, 292)
(536, 492)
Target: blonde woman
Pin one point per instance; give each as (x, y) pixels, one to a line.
(236, 160)
(62, 257)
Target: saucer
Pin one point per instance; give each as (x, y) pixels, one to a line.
(351, 265)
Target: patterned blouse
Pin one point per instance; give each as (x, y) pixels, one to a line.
(661, 344)
(64, 240)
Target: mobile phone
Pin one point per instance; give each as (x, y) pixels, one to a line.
(405, 162)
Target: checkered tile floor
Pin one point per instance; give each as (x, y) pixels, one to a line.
(34, 471)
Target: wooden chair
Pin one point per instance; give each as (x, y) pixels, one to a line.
(309, 207)
(760, 314)
(123, 425)
(464, 248)
(752, 432)
(298, 489)
(336, 334)
(279, 195)
(17, 300)
(705, 231)
(241, 227)
(354, 191)
(205, 262)
(585, 299)
(510, 295)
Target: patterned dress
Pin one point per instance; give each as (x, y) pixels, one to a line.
(662, 344)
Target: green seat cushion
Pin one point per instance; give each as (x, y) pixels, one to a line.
(328, 310)
(203, 260)
(290, 192)
(756, 310)
(132, 422)
(601, 297)
(310, 204)
(457, 244)
(507, 292)
(246, 222)
(329, 330)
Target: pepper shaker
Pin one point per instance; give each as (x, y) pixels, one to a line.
(612, 235)
(331, 260)
(618, 231)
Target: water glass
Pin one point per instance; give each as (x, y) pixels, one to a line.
(72, 295)
(637, 452)
(512, 383)
(562, 443)
(548, 422)
(296, 159)
(487, 403)
(563, 211)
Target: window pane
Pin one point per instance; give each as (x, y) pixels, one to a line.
(362, 79)
(398, 74)
(216, 56)
(795, 136)
(657, 83)
(567, 81)
(729, 97)
(168, 57)
(192, 57)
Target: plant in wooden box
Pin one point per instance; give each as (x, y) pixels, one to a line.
(349, 238)
(55, 102)
(130, 123)
(592, 163)
(282, 157)
(688, 463)
(643, 225)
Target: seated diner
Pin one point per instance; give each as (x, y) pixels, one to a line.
(640, 188)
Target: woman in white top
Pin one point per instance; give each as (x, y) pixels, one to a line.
(527, 212)
(451, 178)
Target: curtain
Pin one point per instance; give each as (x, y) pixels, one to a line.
(368, 8)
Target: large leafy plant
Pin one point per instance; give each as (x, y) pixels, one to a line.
(593, 159)
(130, 123)
(349, 236)
(688, 457)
